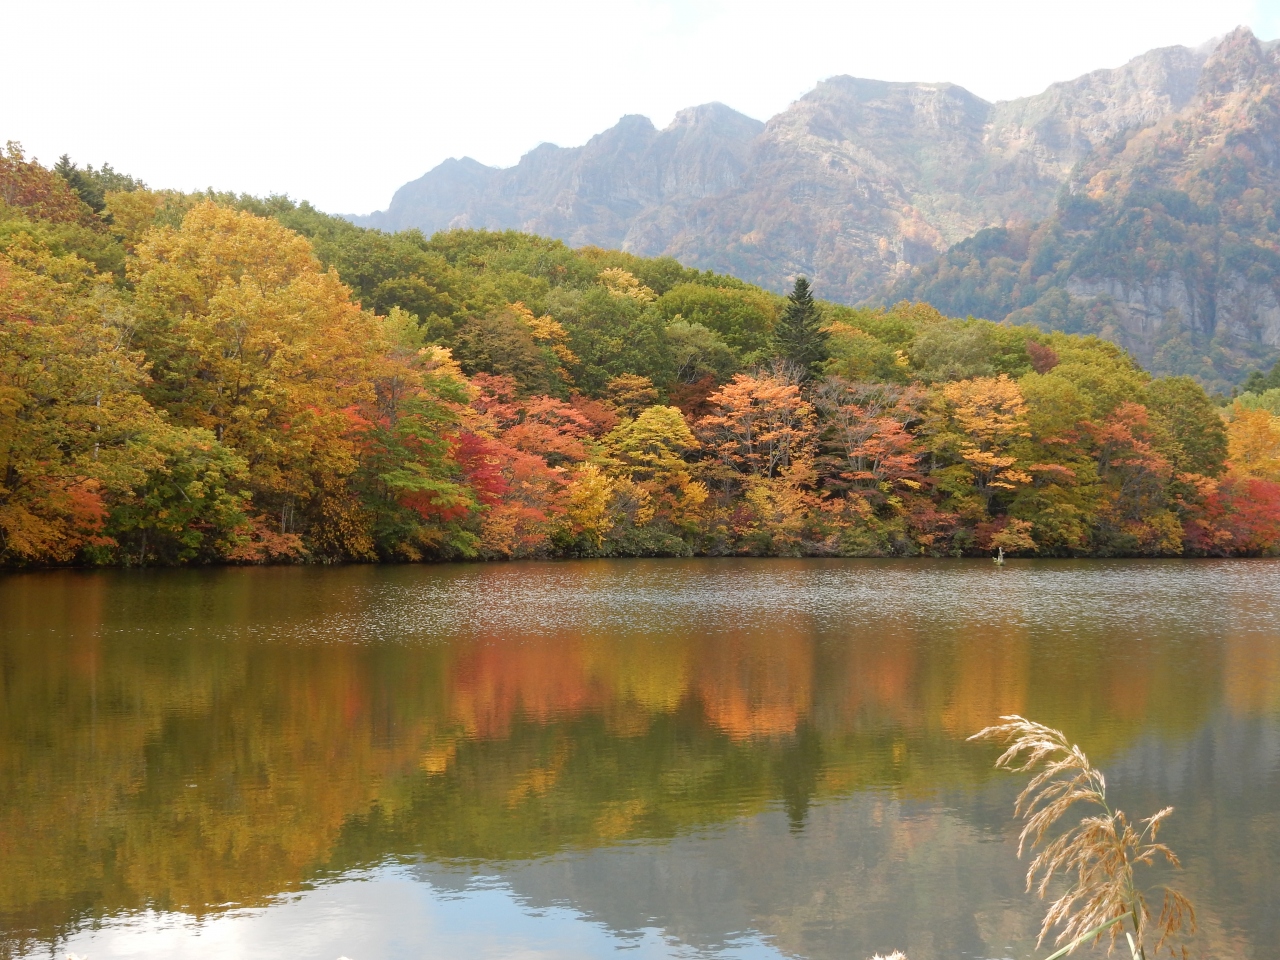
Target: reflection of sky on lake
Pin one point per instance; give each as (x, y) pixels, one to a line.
(395, 912)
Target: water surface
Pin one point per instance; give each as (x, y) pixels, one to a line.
(702, 758)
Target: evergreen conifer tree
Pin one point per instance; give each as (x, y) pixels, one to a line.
(1259, 382)
(81, 184)
(798, 335)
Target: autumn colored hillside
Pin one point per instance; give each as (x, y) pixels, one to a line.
(211, 378)
(1137, 203)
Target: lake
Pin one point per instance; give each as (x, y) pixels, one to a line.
(648, 759)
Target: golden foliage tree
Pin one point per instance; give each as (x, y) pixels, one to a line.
(1253, 438)
(984, 419)
(253, 341)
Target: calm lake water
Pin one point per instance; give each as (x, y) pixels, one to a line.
(669, 758)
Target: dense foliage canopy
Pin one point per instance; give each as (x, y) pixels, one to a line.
(200, 378)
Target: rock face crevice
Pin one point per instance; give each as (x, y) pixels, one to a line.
(855, 183)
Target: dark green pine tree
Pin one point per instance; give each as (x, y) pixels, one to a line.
(798, 335)
(80, 183)
(1259, 382)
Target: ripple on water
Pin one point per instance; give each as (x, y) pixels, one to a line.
(639, 597)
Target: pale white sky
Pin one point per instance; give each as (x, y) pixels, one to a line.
(341, 103)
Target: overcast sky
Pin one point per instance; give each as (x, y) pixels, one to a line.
(341, 103)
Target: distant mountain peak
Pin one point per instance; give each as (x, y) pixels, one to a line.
(1234, 63)
(712, 113)
(630, 123)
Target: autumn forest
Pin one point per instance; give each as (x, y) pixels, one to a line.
(210, 378)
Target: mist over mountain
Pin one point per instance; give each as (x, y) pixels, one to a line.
(879, 191)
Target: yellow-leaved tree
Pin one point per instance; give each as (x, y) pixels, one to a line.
(85, 462)
(647, 456)
(977, 424)
(251, 339)
(622, 283)
(1253, 439)
(68, 399)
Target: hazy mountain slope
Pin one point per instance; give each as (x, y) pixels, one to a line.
(831, 184)
(625, 187)
(1042, 138)
(853, 184)
(1168, 240)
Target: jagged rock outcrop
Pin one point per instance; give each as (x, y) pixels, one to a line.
(855, 183)
(1043, 137)
(834, 186)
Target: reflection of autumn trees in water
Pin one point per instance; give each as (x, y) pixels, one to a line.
(1251, 678)
(756, 684)
(174, 769)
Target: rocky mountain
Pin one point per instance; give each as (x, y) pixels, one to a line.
(880, 190)
(626, 187)
(1166, 237)
(854, 183)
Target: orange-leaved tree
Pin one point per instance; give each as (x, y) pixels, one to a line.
(872, 449)
(983, 420)
(1134, 515)
(521, 495)
(1240, 513)
(758, 424)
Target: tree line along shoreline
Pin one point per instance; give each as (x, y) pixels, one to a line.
(211, 378)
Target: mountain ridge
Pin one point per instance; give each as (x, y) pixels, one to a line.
(1165, 239)
(721, 190)
(865, 186)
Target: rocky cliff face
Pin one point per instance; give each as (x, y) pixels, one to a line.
(1045, 136)
(1167, 237)
(854, 179)
(854, 184)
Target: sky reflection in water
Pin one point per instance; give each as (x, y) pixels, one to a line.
(350, 917)
(654, 759)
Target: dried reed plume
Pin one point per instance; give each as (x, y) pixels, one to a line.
(1097, 855)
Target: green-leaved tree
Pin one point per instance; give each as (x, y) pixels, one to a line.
(798, 335)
